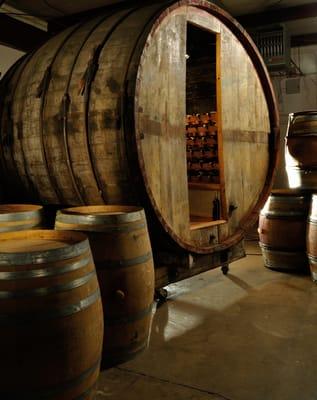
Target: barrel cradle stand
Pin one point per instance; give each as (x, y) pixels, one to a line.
(120, 139)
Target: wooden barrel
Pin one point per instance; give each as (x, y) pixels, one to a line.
(121, 249)
(97, 116)
(18, 217)
(300, 150)
(312, 238)
(282, 230)
(50, 316)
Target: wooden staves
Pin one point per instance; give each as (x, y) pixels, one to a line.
(97, 116)
(282, 230)
(301, 150)
(122, 252)
(50, 316)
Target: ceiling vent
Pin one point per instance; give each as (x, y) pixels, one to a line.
(275, 47)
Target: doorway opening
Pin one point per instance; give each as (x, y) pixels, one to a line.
(206, 186)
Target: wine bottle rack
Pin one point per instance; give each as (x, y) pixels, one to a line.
(202, 150)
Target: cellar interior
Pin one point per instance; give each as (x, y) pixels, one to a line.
(158, 200)
(203, 129)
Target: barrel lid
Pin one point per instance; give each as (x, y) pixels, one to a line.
(16, 212)
(17, 208)
(40, 246)
(103, 214)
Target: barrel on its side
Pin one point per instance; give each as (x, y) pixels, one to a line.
(301, 149)
(50, 316)
(97, 116)
(18, 217)
(282, 230)
(122, 252)
(312, 238)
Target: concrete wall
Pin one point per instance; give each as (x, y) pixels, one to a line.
(8, 57)
(305, 99)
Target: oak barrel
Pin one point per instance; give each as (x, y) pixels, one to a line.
(18, 217)
(50, 316)
(300, 150)
(312, 238)
(122, 253)
(282, 229)
(97, 116)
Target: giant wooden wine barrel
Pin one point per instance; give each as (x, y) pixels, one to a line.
(50, 316)
(122, 253)
(300, 150)
(97, 116)
(282, 230)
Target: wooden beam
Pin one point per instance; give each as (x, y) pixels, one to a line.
(279, 15)
(19, 35)
(304, 40)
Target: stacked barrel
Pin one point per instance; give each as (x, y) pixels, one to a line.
(202, 148)
(288, 221)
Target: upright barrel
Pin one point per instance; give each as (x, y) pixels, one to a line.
(18, 217)
(301, 148)
(122, 252)
(282, 230)
(50, 316)
(312, 238)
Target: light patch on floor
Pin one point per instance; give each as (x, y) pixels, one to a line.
(249, 335)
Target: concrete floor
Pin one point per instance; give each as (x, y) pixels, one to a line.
(250, 335)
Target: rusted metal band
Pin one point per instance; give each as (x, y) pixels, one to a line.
(128, 318)
(45, 272)
(100, 228)
(99, 219)
(16, 318)
(281, 252)
(113, 264)
(18, 216)
(23, 227)
(41, 257)
(284, 214)
(45, 291)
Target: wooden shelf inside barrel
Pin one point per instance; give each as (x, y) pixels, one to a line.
(204, 186)
(197, 222)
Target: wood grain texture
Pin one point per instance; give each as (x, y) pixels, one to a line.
(124, 263)
(51, 325)
(108, 124)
